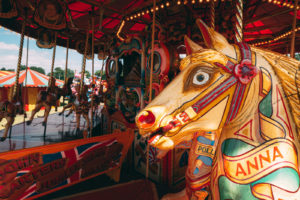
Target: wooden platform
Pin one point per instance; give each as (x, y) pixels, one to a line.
(59, 129)
(133, 190)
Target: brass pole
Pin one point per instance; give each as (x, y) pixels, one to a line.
(239, 21)
(14, 92)
(151, 77)
(25, 92)
(92, 102)
(294, 31)
(53, 60)
(67, 57)
(212, 14)
(84, 61)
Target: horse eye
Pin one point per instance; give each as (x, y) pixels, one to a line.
(200, 78)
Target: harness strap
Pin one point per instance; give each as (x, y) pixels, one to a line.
(242, 72)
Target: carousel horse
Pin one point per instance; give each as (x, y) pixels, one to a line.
(9, 110)
(49, 98)
(70, 104)
(80, 105)
(96, 98)
(236, 108)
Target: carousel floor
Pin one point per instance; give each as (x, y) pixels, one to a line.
(133, 190)
(58, 129)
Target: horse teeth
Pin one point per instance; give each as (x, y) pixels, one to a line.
(157, 137)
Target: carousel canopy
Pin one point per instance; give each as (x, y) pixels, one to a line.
(266, 23)
(34, 79)
(4, 73)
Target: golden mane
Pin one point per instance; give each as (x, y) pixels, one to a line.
(287, 70)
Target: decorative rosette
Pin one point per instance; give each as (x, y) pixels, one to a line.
(245, 71)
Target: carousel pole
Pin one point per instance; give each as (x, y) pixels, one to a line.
(25, 95)
(84, 61)
(294, 31)
(51, 73)
(83, 65)
(65, 80)
(92, 102)
(104, 61)
(212, 14)
(103, 64)
(16, 87)
(53, 60)
(151, 78)
(67, 57)
(238, 35)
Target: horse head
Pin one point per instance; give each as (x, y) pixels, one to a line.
(69, 81)
(67, 87)
(207, 94)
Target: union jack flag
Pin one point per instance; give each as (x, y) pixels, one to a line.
(73, 156)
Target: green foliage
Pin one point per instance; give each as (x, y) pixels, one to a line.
(59, 73)
(297, 56)
(99, 73)
(87, 74)
(38, 69)
(70, 73)
(4, 69)
(22, 67)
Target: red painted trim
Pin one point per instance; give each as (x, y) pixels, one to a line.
(205, 32)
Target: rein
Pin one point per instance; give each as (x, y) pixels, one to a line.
(242, 74)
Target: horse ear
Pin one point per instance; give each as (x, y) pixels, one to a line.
(215, 40)
(191, 46)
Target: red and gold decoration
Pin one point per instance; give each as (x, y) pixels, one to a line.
(45, 39)
(51, 14)
(229, 109)
(34, 172)
(8, 9)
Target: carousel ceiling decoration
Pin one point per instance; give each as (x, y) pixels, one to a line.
(51, 14)
(45, 39)
(263, 20)
(8, 9)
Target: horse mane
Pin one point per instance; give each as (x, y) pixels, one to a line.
(287, 71)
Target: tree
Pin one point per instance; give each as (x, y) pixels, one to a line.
(4, 69)
(297, 56)
(22, 67)
(70, 73)
(58, 73)
(99, 73)
(87, 74)
(38, 69)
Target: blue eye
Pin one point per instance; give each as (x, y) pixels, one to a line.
(200, 78)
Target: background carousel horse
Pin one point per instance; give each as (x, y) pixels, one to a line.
(9, 109)
(238, 118)
(96, 98)
(50, 97)
(80, 105)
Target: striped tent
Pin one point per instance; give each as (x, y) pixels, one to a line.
(4, 73)
(35, 82)
(34, 79)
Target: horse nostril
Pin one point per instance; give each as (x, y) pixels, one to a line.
(146, 118)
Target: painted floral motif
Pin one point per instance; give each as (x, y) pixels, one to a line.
(245, 71)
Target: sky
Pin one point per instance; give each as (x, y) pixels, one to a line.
(9, 50)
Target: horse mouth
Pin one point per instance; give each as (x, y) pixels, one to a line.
(157, 134)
